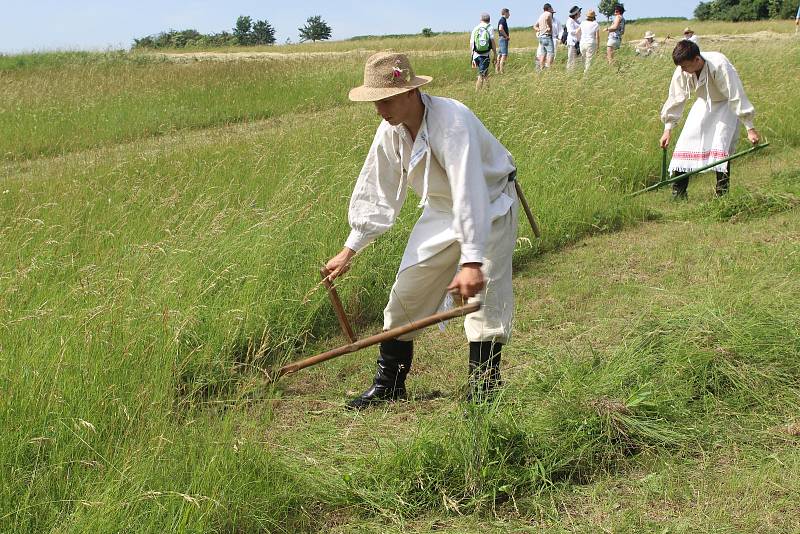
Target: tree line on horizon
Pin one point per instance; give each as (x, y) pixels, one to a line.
(728, 10)
(249, 32)
(246, 32)
(745, 10)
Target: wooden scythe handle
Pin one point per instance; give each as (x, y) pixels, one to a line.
(337, 306)
(379, 338)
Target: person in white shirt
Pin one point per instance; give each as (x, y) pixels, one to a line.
(465, 236)
(589, 38)
(544, 32)
(711, 130)
(573, 24)
(557, 27)
(648, 45)
(482, 44)
(689, 35)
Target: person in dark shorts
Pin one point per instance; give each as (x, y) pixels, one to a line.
(482, 44)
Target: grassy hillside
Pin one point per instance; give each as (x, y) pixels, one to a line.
(163, 224)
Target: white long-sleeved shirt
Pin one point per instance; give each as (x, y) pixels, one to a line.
(572, 31)
(718, 81)
(455, 164)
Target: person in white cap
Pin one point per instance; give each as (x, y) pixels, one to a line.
(712, 129)
(648, 44)
(688, 34)
(465, 237)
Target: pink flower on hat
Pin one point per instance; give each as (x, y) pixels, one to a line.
(403, 74)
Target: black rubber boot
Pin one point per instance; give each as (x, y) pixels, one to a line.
(679, 189)
(484, 370)
(723, 183)
(394, 362)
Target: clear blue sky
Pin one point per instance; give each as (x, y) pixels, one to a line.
(33, 25)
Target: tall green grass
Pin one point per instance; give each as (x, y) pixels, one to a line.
(147, 288)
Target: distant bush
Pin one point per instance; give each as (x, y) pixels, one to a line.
(743, 10)
(424, 33)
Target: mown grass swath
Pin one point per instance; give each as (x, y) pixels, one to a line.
(154, 266)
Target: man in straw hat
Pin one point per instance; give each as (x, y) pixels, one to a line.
(711, 130)
(465, 236)
(688, 34)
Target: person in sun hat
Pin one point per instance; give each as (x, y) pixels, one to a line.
(712, 129)
(648, 44)
(573, 24)
(465, 236)
(688, 34)
(589, 38)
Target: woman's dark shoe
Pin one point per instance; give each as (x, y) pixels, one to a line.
(394, 362)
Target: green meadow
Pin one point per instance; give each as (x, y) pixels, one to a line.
(163, 222)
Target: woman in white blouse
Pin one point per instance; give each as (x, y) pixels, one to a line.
(572, 36)
(589, 37)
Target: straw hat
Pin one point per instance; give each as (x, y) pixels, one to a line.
(591, 15)
(649, 35)
(387, 74)
(687, 30)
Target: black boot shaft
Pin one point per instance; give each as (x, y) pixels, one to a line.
(484, 370)
(394, 363)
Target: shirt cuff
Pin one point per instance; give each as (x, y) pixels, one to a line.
(356, 241)
(748, 124)
(669, 126)
(471, 254)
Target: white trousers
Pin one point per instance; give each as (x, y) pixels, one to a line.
(588, 52)
(572, 56)
(419, 290)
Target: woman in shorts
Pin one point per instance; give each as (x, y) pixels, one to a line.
(615, 32)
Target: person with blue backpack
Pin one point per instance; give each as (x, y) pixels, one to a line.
(481, 42)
